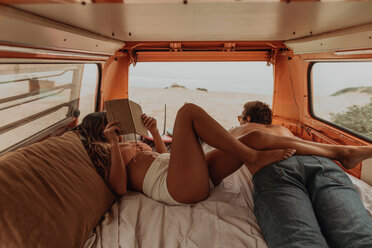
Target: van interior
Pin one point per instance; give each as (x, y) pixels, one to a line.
(62, 59)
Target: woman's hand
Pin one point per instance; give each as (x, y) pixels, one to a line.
(111, 132)
(150, 124)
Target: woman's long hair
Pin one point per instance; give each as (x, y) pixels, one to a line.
(91, 135)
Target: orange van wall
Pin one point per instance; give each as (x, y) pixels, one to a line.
(290, 88)
(291, 102)
(115, 78)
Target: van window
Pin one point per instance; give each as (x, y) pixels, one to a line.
(37, 97)
(89, 82)
(221, 88)
(342, 95)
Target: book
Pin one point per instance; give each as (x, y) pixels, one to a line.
(128, 113)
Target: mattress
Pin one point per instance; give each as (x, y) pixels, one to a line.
(225, 219)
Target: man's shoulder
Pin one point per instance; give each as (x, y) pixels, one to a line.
(279, 130)
(275, 126)
(260, 126)
(246, 128)
(272, 128)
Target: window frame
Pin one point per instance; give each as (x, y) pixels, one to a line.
(63, 123)
(311, 105)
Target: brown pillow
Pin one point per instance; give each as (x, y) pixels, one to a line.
(50, 194)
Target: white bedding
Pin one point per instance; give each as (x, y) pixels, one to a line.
(225, 219)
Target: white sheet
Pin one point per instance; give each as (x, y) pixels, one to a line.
(365, 192)
(225, 219)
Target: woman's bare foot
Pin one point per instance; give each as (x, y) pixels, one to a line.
(351, 156)
(267, 157)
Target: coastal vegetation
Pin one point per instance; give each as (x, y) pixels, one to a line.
(356, 117)
(176, 86)
(202, 89)
(366, 90)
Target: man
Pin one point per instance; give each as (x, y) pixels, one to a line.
(304, 201)
(257, 115)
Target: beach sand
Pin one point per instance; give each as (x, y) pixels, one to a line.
(223, 106)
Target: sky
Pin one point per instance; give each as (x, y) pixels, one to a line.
(249, 77)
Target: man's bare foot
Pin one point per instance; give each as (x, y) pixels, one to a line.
(267, 157)
(351, 156)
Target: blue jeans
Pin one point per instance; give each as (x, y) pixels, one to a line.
(309, 201)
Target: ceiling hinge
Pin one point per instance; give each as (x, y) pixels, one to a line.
(229, 47)
(175, 47)
(273, 55)
(132, 57)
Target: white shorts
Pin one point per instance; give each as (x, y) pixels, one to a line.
(155, 181)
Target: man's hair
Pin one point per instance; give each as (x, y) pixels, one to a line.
(258, 112)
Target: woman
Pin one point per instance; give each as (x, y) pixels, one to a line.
(183, 176)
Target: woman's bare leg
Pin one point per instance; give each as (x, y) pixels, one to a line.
(222, 164)
(188, 175)
(348, 156)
